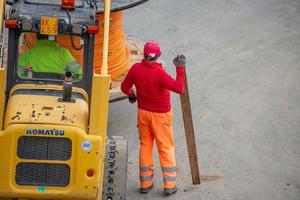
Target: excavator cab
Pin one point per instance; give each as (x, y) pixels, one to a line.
(53, 122)
(50, 21)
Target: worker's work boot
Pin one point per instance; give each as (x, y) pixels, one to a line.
(146, 190)
(169, 191)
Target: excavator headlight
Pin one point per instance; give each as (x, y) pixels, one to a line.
(27, 25)
(77, 29)
(68, 4)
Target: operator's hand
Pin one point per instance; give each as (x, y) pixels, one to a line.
(132, 98)
(179, 60)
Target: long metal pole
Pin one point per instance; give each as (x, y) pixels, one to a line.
(104, 68)
(189, 133)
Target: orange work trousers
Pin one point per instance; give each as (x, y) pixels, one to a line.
(159, 127)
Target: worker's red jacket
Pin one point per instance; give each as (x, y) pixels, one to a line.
(153, 85)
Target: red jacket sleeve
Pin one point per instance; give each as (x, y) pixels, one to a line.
(126, 85)
(176, 85)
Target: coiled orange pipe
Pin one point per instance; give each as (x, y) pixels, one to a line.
(119, 54)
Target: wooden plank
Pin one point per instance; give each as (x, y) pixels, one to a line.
(189, 134)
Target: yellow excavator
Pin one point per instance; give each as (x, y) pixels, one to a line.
(53, 128)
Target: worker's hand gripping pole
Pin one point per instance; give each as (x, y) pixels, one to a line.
(189, 133)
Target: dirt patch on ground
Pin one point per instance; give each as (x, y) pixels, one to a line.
(203, 178)
(206, 178)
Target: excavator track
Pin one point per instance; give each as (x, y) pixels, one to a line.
(115, 169)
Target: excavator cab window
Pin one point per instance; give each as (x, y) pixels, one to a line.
(47, 39)
(48, 58)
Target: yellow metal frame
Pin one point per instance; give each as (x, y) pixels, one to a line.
(99, 105)
(100, 87)
(99, 114)
(100, 93)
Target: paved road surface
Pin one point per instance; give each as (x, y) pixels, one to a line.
(244, 76)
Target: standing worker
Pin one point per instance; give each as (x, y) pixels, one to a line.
(155, 118)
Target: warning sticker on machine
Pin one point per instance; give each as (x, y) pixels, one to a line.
(41, 189)
(86, 145)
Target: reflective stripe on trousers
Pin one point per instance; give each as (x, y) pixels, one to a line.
(169, 178)
(158, 127)
(146, 176)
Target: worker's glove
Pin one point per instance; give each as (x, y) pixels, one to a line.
(132, 98)
(179, 60)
